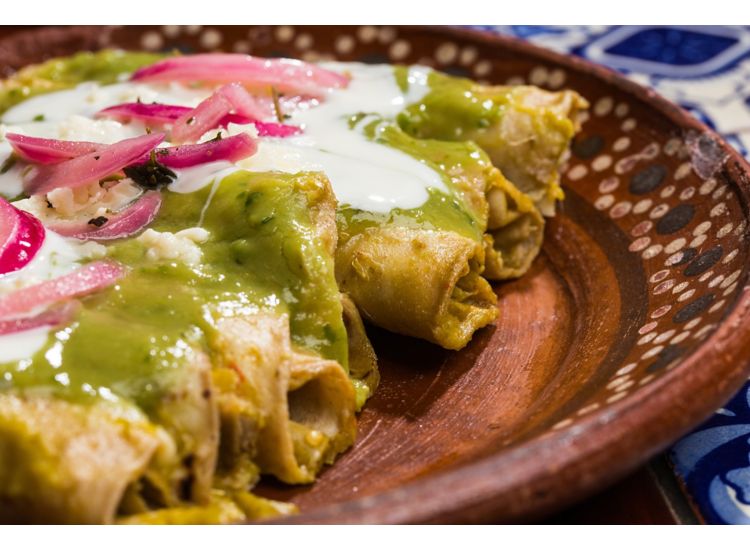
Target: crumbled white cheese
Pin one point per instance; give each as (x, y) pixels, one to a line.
(88, 201)
(231, 130)
(181, 246)
(81, 128)
(285, 155)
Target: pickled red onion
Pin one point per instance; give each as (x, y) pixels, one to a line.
(150, 113)
(287, 75)
(232, 149)
(120, 225)
(49, 151)
(84, 280)
(90, 167)
(161, 113)
(207, 115)
(21, 237)
(52, 317)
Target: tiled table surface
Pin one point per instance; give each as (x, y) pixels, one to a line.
(707, 71)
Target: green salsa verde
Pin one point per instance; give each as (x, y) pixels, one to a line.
(458, 108)
(263, 254)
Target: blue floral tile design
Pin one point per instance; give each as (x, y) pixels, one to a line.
(707, 71)
(670, 51)
(671, 46)
(714, 463)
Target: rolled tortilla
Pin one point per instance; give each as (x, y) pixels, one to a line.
(63, 462)
(422, 272)
(418, 282)
(525, 130)
(264, 403)
(89, 462)
(515, 230)
(363, 363)
(512, 225)
(189, 411)
(301, 406)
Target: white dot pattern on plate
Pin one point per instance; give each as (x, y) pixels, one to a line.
(652, 238)
(680, 287)
(621, 144)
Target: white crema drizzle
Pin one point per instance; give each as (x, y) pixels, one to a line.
(364, 174)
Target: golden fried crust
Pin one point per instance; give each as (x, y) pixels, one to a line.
(418, 282)
(515, 230)
(303, 406)
(62, 462)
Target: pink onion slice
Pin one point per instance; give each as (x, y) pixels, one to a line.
(91, 166)
(207, 115)
(55, 316)
(265, 129)
(274, 129)
(159, 113)
(230, 103)
(232, 149)
(84, 280)
(21, 237)
(49, 151)
(150, 113)
(125, 223)
(233, 118)
(245, 104)
(287, 75)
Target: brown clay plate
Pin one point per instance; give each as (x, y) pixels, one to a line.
(631, 327)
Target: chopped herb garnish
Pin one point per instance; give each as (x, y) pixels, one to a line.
(151, 174)
(356, 119)
(217, 138)
(148, 130)
(191, 120)
(8, 163)
(329, 333)
(109, 179)
(265, 220)
(276, 104)
(250, 199)
(99, 221)
(97, 157)
(38, 118)
(49, 204)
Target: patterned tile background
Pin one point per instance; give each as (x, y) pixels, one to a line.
(707, 71)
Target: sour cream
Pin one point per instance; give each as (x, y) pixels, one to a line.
(364, 174)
